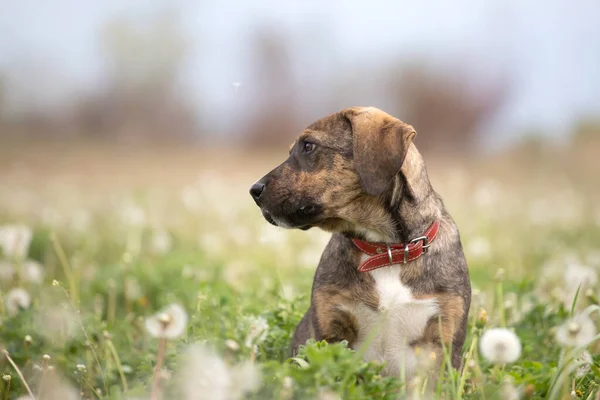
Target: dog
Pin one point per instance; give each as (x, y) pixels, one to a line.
(393, 278)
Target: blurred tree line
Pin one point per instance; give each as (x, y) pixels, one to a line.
(142, 99)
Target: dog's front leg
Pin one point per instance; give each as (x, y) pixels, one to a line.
(447, 329)
(334, 320)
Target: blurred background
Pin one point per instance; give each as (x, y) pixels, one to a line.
(146, 92)
(253, 74)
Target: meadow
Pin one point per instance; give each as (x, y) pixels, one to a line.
(149, 273)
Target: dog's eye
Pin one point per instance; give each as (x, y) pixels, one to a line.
(308, 147)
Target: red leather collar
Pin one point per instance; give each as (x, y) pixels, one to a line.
(384, 254)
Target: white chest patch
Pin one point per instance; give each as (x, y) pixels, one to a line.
(385, 335)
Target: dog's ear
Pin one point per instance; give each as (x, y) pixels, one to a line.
(380, 144)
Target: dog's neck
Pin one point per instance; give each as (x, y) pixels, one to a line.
(411, 204)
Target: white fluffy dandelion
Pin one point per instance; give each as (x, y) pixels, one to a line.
(17, 299)
(509, 391)
(57, 388)
(258, 328)
(205, 375)
(246, 378)
(57, 323)
(133, 215)
(500, 346)
(578, 331)
(169, 323)
(578, 277)
(15, 240)
(583, 363)
(33, 272)
(161, 242)
(328, 395)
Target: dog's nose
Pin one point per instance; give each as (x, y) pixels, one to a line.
(256, 190)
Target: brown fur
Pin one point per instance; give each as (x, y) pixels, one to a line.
(367, 179)
(443, 328)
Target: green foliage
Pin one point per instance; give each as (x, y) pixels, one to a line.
(227, 292)
(320, 367)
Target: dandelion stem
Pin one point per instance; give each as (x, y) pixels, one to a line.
(18, 371)
(7, 390)
(463, 378)
(162, 344)
(92, 388)
(112, 304)
(67, 270)
(115, 355)
(500, 296)
(88, 339)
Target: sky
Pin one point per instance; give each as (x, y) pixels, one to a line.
(50, 50)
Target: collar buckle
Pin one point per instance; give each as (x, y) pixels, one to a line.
(425, 245)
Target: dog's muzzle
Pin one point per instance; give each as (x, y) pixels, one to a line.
(300, 213)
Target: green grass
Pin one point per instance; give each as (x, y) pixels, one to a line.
(226, 267)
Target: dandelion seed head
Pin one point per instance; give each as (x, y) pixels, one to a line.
(15, 240)
(169, 323)
(161, 242)
(583, 362)
(578, 331)
(577, 277)
(258, 328)
(133, 215)
(56, 321)
(204, 375)
(509, 391)
(246, 378)
(328, 395)
(33, 272)
(16, 300)
(500, 346)
(56, 388)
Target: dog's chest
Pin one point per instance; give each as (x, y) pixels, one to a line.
(386, 334)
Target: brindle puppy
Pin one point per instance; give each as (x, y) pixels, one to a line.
(357, 174)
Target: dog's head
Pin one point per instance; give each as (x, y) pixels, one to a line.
(337, 171)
